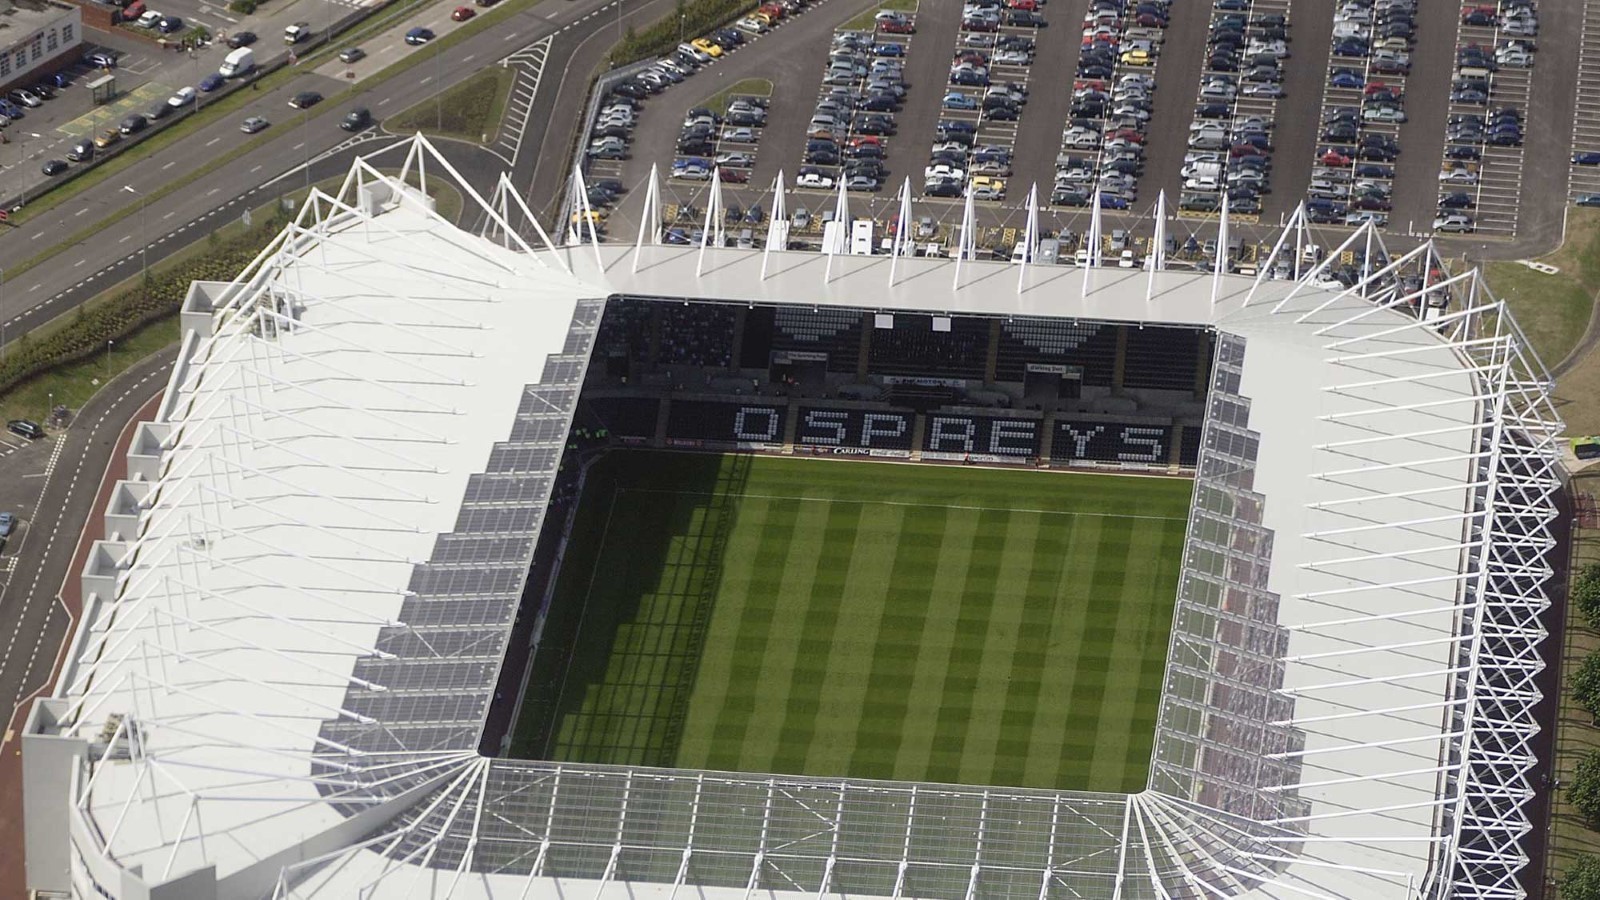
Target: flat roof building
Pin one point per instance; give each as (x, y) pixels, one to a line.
(294, 628)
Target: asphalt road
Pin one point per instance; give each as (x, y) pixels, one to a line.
(29, 298)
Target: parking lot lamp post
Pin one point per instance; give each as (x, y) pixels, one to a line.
(144, 248)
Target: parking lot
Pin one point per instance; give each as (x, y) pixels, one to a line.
(1344, 104)
(1584, 182)
(1490, 95)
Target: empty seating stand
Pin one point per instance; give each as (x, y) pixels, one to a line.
(1162, 358)
(699, 334)
(913, 348)
(834, 332)
(1090, 346)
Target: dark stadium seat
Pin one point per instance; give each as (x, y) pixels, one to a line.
(835, 333)
(913, 348)
(699, 334)
(1090, 346)
(1162, 358)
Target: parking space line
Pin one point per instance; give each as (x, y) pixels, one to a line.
(1363, 105)
(1235, 112)
(1132, 40)
(1496, 174)
(1583, 181)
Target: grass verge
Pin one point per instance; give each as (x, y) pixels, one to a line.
(749, 87)
(963, 626)
(72, 384)
(470, 111)
(1553, 310)
(864, 21)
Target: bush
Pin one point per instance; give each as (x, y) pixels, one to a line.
(1584, 792)
(1584, 683)
(1581, 879)
(245, 7)
(159, 297)
(466, 110)
(691, 19)
(1584, 594)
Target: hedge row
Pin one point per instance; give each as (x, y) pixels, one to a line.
(1580, 879)
(691, 19)
(161, 296)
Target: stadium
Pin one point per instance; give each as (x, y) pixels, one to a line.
(474, 564)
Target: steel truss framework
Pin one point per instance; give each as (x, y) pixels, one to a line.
(444, 821)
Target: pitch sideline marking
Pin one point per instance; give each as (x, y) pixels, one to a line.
(1042, 512)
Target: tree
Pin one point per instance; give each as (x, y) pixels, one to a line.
(1584, 594)
(1584, 683)
(1581, 878)
(1584, 791)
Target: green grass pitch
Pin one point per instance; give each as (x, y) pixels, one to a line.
(870, 620)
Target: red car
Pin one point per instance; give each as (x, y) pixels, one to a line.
(733, 176)
(1028, 5)
(897, 28)
(1131, 135)
(1332, 157)
(463, 13)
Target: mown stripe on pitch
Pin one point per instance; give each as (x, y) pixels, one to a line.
(941, 618)
(1047, 754)
(903, 630)
(999, 649)
(767, 666)
(740, 564)
(740, 624)
(1025, 706)
(1157, 631)
(1095, 658)
(790, 741)
(1129, 649)
(842, 693)
(965, 658)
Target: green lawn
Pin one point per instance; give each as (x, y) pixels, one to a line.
(858, 619)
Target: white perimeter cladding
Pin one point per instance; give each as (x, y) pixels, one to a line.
(313, 462)
(304, 476)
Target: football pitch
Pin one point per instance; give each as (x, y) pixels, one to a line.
(869, 620)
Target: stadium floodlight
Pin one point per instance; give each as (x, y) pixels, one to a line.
(650, 216)
(902, 229)
(1346, 708)
(1219, 264)
(966, 243)
(778, 225)
(1157, 260)
(1030, 236)
(1094, 240)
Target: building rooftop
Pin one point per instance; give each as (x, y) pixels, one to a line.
(286, 691)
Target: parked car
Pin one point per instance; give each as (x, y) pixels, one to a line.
(54, 167)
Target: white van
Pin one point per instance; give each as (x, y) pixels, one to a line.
(239, 62)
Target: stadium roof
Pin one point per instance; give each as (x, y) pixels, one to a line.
(282, 689)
